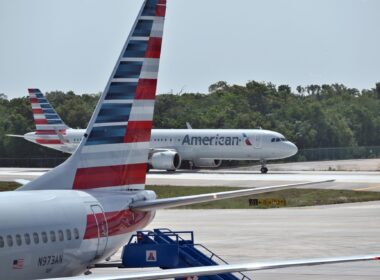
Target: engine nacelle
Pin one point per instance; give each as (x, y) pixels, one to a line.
(167, 160)
(205, 162)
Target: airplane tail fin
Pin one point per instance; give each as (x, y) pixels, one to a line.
(114, 151)
(46, 119)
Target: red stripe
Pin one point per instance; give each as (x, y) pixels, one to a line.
(146, 89)
(138, 131)
(154, 47)
(162, 2)
(41, 121)
(33, 90)
(50, 132)
(108, 176)
(160, 10)
(48, 141)
(33, 100)
(119, 222)
(37, 111)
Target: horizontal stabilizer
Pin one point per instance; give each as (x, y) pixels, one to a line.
(221, 269)
(15, 135)
(22, 181)
(149, 205)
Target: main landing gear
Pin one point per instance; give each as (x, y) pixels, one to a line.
(264, 168)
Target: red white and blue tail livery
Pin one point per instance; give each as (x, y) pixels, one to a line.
(114, 151)
(49, 126)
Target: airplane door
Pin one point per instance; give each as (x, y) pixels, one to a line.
(102, 226)
(257, 141)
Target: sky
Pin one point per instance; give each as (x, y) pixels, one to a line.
(74, 44)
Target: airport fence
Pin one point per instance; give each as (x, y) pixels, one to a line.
(316, 154)
(338, 153)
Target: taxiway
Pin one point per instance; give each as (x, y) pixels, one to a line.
(363, 180)
(285, 233)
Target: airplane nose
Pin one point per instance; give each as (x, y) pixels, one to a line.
(292, 149)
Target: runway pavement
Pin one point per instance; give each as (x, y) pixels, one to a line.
(234, 178)
(273, 234)
(285, 233)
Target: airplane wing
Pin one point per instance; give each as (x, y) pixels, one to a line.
(15, 135)
(22, 181)
(149, 205)
(221, 269)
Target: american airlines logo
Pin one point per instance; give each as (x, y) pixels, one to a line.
(211, 140)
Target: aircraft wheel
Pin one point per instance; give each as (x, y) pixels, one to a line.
(264, 170)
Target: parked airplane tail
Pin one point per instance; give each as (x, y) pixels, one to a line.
(46, 119)
(114, 150)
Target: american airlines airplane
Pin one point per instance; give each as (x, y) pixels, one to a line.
(170, 147)
(83, 211)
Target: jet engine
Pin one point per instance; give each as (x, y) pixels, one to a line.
(205, 162)
(166, 160)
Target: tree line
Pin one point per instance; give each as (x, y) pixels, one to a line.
(313, 116)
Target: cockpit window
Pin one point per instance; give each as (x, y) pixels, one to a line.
(282, 139)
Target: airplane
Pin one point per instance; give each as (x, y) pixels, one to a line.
(81, 212)
(201, 148)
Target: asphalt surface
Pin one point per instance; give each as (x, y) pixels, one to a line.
(273, 234)
(241, 236)
(362, 180)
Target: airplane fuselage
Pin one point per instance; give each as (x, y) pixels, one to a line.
(55, 233)
(193, 144)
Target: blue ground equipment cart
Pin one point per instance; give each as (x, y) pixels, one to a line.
(169, 249)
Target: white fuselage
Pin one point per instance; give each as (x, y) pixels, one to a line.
(193, 144)
(55, 233)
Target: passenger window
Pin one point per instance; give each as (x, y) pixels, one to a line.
(52, 236)
(44, 237)
(18, 240)
(36, 238)
(1, 242)
(60, 235)
(68, 234)
(76, 233)
(9, 240)
(27, 238)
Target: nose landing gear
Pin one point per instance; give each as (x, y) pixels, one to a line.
(263, 169)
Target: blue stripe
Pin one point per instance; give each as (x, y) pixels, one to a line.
(48, 111)
(150, 8)
(51, 116)
(46, 106)
(42, 100)
(143, 28)
(55, 122)
(39, 95)
(106, 135)
(34, 90)
(136, 49)
(128, 69)
(121, 91)
(114, 113)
